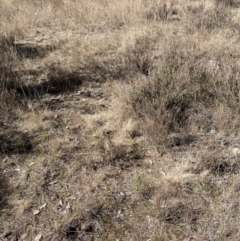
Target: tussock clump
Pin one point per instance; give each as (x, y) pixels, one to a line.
(15, 142)
(227, 3)
(217, 165)
(180, 140)
(184, 84)
(162, 11)
(109, 59)
(100, 63)
(195, 9)
(171, 94)
(212, 19)
(102, 215)
(177, 210)
(125, 156)
(158, 12)
(140, 55)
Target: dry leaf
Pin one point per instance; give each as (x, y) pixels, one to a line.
(5, 159)
(53, 182)
(43, 206)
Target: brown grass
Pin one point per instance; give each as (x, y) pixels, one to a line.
(123, 117)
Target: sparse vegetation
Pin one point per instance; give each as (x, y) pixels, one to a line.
(119, 120)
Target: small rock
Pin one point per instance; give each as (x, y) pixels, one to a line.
(60, 203)
(235, 151)
(148, 162)
(213, 65)
(212, 132)
(38, 237)
(24, 237)
(36, 212)
(148, 153)
(162, 172)
(174, 18)
(204, 173)
(119, 214)
(68, 206)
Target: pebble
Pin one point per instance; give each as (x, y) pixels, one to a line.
(36, 212)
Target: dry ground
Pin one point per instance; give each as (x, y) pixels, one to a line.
(119, 120)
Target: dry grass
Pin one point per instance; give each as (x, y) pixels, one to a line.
(121, 116)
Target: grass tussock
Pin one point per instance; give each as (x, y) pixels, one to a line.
(187, 83)
(227, 3)
(119, 120)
